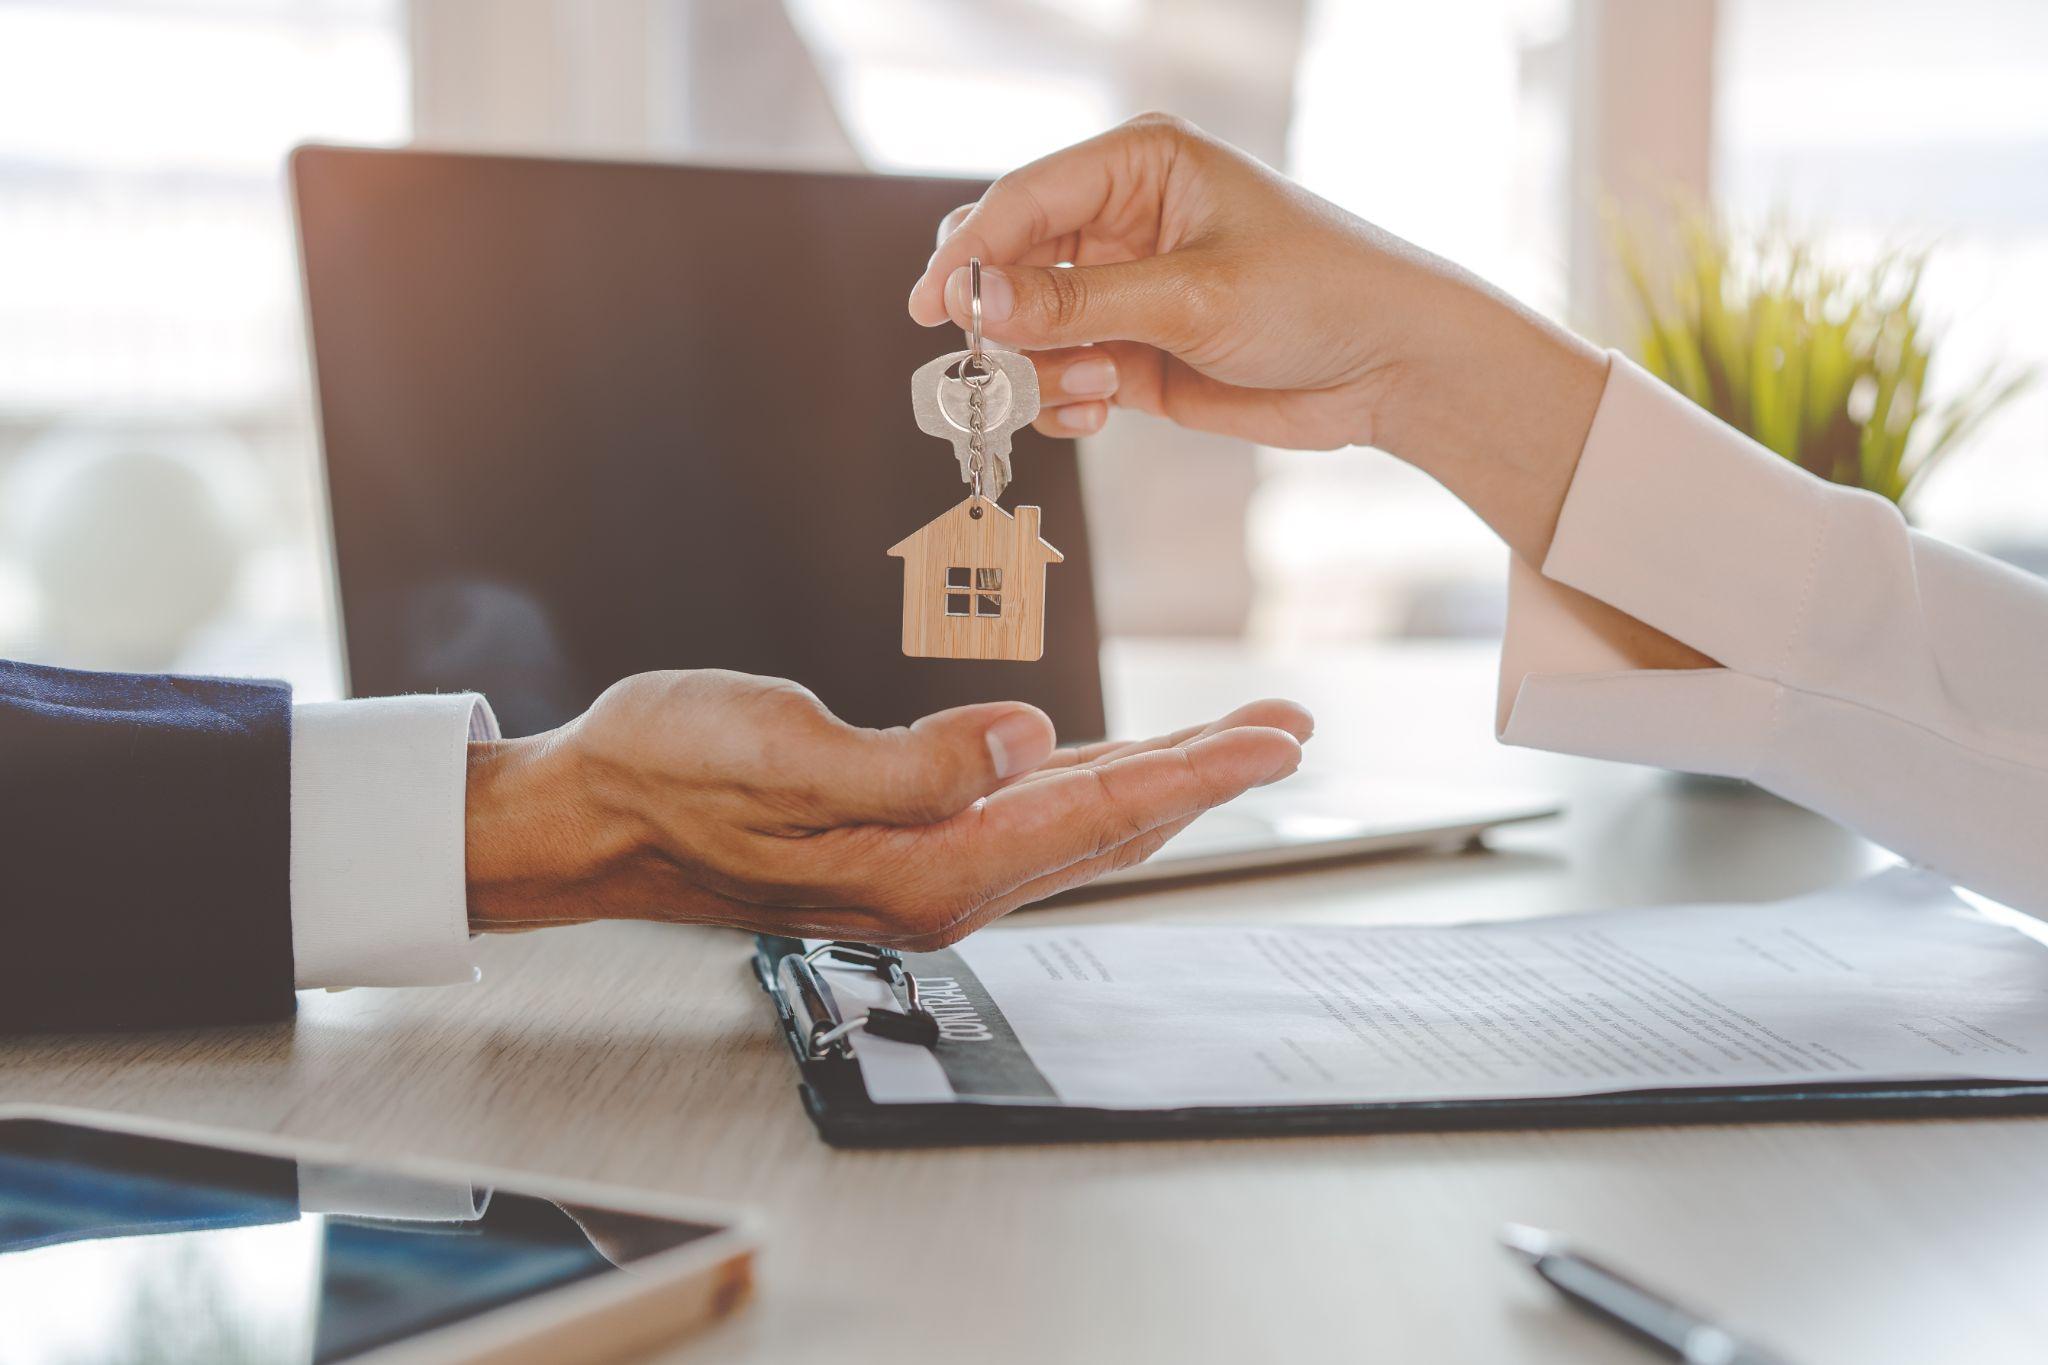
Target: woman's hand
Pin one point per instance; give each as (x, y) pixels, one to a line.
(720, 798)
(1208, 289)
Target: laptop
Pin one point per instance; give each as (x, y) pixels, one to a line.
(585, 419)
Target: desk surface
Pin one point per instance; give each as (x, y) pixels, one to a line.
(643, 1055)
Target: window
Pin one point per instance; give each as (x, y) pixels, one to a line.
(149, 321)
(974, 592)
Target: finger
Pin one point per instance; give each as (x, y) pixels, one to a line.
(1026, 831)
(1074, 387)
(1273, 712)
(927, 772)
(1052, 251)
(1041, 202)
(1151, 381)
(1124, 855)
(1159, 300)
(1080, 874)
(1053, 199)
(1075, 374)
(1007, 852)
(950, 224)
(1049, 252)
(1070, 421)
(1078, 385)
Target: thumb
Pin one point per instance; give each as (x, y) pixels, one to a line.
(1155, 301)
(933, 770)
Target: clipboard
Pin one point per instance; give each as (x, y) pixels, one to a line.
(819, 1033)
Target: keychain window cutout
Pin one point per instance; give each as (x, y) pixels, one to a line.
(988, 589)
(985, 604)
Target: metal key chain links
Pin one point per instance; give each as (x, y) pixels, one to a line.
(976, 373)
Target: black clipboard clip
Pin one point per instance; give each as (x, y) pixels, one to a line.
(814, 1013)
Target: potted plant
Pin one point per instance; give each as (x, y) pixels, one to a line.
(1827, 366)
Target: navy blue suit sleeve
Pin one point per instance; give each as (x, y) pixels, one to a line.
(146, 829)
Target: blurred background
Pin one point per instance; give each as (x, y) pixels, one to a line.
(160, 501)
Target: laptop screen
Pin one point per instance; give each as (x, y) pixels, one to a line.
(589, 419)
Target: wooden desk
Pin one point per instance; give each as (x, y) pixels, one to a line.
(643, 1055)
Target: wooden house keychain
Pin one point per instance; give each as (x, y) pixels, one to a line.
(974, 578)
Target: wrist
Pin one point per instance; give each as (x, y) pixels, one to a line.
(1494, 402)
(530, 852)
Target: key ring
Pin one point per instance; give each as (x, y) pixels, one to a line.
(974, 309)
(967, 365)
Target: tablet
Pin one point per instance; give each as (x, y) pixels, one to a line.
(121, 1240)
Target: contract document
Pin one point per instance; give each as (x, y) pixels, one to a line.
(1889, 979)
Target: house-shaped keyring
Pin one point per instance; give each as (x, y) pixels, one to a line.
(974, 584)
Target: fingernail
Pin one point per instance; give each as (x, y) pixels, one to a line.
(1018, 743)
(998, 295)
(1091, 378)
(1083, 418)
(1286, 768)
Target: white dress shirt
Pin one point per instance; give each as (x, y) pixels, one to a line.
(1890, 681)
(379, 893)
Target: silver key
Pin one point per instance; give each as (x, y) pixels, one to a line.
(1009, 401)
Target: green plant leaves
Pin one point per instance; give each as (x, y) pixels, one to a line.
(1827, 367)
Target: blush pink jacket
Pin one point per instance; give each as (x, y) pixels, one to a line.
(1888, 680)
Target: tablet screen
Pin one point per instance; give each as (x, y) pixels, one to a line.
(115, 1247)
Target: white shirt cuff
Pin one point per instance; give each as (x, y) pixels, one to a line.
(379, 891)
(1563, 686)
(358, 1192)
(1673, 519)
(1680, 521)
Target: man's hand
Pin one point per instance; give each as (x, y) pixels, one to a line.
(719, 798)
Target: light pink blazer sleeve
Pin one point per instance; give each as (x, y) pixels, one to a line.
(1890, 681)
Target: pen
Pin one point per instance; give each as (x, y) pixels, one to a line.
(1678, 1333)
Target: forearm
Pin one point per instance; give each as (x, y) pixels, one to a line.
(1490, 400)
(1495, 403)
